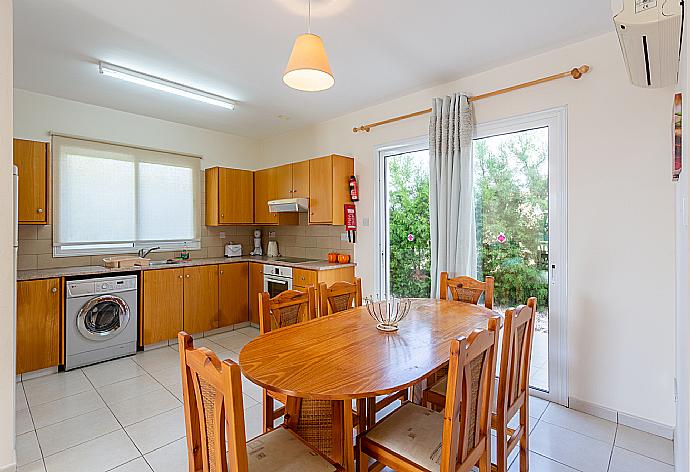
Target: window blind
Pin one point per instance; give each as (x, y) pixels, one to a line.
(110, 198)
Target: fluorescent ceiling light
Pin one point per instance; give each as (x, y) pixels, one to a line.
(163, 85)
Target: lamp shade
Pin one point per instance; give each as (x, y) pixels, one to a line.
(308, 67)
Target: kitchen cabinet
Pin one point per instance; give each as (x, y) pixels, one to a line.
(229, 196)
(300, 179)
(32, 158)
(301, 279)
(162, 305)
(233, 293)
(39, 324)
(200, 298)
(273, 184)
(329, 189)
(256, 286)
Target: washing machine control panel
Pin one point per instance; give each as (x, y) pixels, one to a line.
(101, 286)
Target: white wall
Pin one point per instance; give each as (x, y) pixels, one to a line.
(7, 363)
(621, 217)
(35, 115)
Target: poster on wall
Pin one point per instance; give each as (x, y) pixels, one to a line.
(677, 136)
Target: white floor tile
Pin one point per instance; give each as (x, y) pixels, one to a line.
(537, 407)
(248, 401)
(158, 359)
(23, 422)
(137, 465)
(175, 389)
(98, 455)
(56, 386)
(623, 460)
(515, 422)
(128, 389)
(113, 371)
(568, 447)
(158, 430)
(20, 398)
(249, 331)
(140, 408)
(232, 340)
(65, 408)
(170, 458)
(36, 466)
(582, 423)
(253, 421)
(539, 463)
(28, 450)
(168, 375)
(646, 444)
(77, 430)
(252, 389)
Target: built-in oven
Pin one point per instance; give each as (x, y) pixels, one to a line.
(277, 279)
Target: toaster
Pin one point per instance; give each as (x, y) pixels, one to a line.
(233, 250)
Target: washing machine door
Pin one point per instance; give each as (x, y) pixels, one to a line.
(103, 317)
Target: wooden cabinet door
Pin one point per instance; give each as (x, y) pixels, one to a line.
(31, 158)
(233, 294)
(300, 179)
(200, 298)
(235, 196)
(265, 189)
(283, 182)
(162, 304)
(38, 324)
(321, 190)
(256, 286)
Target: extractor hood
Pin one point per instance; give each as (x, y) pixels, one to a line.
(289, 205)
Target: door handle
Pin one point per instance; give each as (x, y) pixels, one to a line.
(40, 210)
(54, 289)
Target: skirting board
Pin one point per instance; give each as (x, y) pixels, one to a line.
(9, 467)
(648, 426)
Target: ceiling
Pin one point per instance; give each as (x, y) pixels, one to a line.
(378, 50)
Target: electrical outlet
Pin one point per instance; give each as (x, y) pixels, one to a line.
(343, 236)
(271, 234)
(221, 235)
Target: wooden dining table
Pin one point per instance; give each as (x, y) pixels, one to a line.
(344, 357)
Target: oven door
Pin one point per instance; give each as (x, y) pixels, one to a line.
(276, 285)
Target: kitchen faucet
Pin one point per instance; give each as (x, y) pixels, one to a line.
(145, 252)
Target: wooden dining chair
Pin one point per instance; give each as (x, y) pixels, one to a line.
(214, 413)
(414, 438)
(286, 309)
(468, 290)
(513, 385)
(340, 296)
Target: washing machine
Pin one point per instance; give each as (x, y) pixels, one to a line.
(101, 319)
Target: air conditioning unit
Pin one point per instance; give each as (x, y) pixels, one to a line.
(650, 34)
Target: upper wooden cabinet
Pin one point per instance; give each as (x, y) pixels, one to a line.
(300, 179)
(229, 196)
(38, 324)
(329, 189)
(32, 158)
(273, 184)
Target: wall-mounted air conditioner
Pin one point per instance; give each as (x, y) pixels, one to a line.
(650, 35)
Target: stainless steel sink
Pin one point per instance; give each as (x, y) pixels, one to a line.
(165, 263)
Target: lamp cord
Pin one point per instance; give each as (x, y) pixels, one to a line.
(309, 16)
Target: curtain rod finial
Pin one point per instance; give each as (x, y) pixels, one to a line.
(578, 72)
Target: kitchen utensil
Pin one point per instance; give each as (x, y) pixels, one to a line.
(258, 250)
(233, 250)
(388, 312)
(272, 249)
(119, 262)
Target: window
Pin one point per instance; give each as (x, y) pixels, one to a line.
(116, 199)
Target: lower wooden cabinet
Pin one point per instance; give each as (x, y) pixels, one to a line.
(200, 298)
(162, 305)
(233, 293)
(39, 324)
(256, 286)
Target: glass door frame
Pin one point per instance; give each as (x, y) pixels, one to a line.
(556, 121)
(420, 143)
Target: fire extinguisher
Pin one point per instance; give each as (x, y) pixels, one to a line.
(354, 189)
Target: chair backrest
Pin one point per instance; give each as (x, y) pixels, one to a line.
(212, 393)
(516, 351)
(340, 296)
(467, 415)
(285, 309)
(468, 290)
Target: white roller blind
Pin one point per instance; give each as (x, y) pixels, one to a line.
(113, 198)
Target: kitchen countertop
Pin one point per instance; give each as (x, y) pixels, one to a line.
(100, 270)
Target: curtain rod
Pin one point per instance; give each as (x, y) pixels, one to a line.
(575, 73)
(114, 143)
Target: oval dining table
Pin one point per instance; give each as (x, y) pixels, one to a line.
(343, 356)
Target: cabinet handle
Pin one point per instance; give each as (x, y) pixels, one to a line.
(54, 289)
(222, 215)
(187, 275)
(179, 276)
(222, 272)
(40, 210)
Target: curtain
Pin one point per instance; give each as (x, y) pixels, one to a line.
(453, 233)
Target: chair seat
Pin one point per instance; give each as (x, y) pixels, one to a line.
(282, 450)
(413, 432)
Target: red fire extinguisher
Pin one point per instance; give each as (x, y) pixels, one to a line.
(354, 189)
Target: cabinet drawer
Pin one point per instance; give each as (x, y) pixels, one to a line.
(303, 278)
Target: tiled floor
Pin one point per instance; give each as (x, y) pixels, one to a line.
(126, 416)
